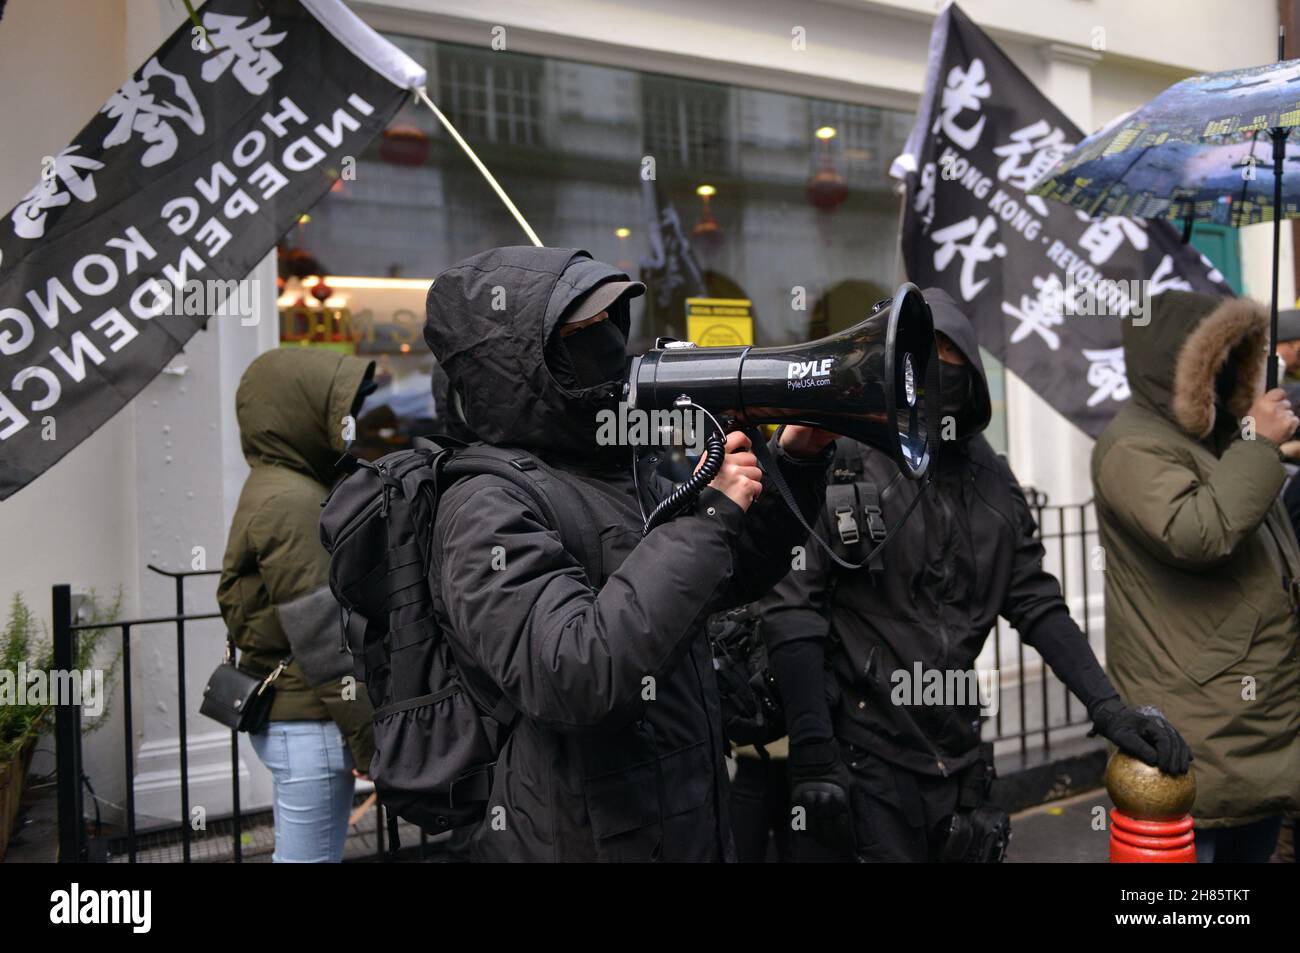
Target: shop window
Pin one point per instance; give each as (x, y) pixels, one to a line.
(379, 319)
(687, 123)
(491, 98)
(785, 200)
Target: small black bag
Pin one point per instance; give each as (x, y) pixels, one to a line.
(239, 700)
(977, 832)
(752, 712)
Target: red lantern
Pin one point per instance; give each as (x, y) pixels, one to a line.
(707, 233)
(404, 145)
(828, 190)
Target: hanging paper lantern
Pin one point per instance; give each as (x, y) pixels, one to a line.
(707, 234)
(404, 145)
(827, 190)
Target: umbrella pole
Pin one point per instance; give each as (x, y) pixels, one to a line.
(1279, 154)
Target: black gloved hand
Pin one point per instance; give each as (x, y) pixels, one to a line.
(1144, 734)
(820, 783)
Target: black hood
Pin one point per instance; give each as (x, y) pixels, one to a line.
(949, 319)
(495, 357)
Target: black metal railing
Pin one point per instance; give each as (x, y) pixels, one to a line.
(1068, 537)
(74, 842)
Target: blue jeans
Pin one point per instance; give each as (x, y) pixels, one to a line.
(312, 773)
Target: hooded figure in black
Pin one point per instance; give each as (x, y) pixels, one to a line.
(880, 774)
(618, 751)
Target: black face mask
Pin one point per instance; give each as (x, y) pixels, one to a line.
(581, 363)
(595, 355)
(956, 396)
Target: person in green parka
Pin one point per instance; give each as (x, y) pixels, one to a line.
(1201, 561)
(294, 406)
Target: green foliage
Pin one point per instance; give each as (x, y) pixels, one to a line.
(25, 641)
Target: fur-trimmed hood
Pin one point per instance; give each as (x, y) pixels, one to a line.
(1175, 359)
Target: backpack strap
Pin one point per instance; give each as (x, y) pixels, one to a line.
(773, 472)
(562, 509)
(575, 523)
(559, 500)
(853, 504)
(874, 515)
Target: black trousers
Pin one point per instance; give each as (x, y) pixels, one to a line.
(896, 814)
(760, 810)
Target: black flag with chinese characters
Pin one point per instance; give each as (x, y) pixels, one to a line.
(1046, 286)
(671, 273)
(174, 190)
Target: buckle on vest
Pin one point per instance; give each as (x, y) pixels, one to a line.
(846, 525)
(875, 522)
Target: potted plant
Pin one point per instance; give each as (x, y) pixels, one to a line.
(25, 647)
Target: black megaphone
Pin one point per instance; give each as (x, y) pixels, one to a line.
(872, 382)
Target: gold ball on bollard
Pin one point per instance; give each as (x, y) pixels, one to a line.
(1146, 793)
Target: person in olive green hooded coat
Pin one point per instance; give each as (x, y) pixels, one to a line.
(1202, 563)
(292, 406)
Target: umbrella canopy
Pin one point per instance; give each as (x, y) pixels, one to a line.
(1202, 149)
(1198, 151)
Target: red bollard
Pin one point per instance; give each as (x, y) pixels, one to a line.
(1150, 823)
(1151, 842)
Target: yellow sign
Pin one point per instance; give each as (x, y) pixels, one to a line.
(719, 322)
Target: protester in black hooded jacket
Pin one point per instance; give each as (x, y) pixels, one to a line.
(618, 752)
(847, 645)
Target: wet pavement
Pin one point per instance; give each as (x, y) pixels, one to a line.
(1074, 830)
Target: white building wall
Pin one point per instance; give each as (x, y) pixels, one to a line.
(162, 476)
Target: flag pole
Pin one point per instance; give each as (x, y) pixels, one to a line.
(496, 186)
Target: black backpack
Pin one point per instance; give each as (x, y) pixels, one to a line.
(439, 723)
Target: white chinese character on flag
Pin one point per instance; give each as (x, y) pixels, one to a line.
(923, 204)
(1044, 144)
(1107, 375)
(1103, 237)
(1166, 279)
(1039, 315)
(247, 47)
(965, 89)
(974, 252)
(29, 216)
(137, 109)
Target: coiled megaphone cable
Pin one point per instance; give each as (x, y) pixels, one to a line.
(685, 493)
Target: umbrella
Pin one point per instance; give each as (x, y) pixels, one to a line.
(1206, 149)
